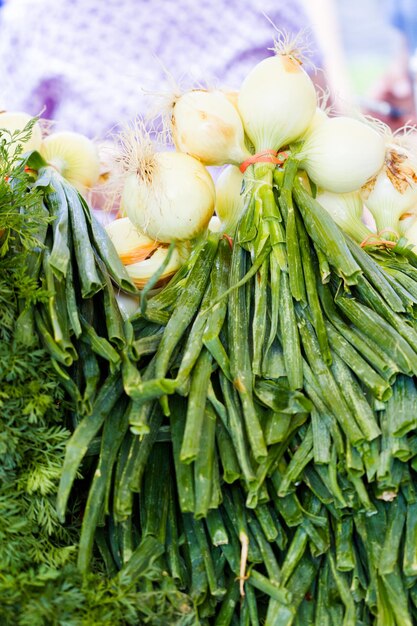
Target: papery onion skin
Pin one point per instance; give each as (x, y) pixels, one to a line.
(131, 245)
(175, 203)
(393, 191)
(342, 154)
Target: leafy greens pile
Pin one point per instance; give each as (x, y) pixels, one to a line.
(39, 581)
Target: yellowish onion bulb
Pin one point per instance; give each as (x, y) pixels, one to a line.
(229, 198)
(277, 102)
(13, 122)
(206, 125)
(342, 154)
(346, 209)
(74, 156)
(141, 272)
(131, 245)
(393, 191)
(170, 197)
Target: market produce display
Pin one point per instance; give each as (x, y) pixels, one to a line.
(229, 403)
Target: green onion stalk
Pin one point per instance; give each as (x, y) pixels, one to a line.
(251, 424)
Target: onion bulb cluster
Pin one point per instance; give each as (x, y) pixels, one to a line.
(167, 194)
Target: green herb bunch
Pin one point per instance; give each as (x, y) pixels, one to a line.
(40, 584)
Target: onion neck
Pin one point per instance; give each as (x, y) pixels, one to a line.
(387, 223)
(356, 229)
(59, 164)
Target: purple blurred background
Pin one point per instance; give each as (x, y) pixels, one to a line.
(91, 64)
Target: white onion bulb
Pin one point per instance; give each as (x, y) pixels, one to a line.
(171, 197)
(206, 125)
(407, 220)
(215, 225)
(277, 102)
(319, 117)
(342, 154)
(411, 233)
(141, 272)
(128, 304)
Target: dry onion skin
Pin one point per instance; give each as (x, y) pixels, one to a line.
(131, 245)
(393, 192)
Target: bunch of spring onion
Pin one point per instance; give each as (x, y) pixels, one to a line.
(271, 381)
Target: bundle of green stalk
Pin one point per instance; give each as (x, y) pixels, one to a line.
(257, 435)
(63, 346)
(270, 383)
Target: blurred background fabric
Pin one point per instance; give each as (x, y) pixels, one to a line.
(91, 62)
